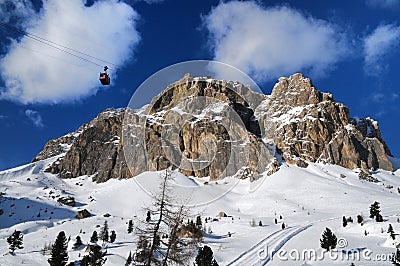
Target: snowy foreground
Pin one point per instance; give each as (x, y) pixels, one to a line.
(309, 200)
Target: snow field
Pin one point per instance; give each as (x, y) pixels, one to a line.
(308, 199)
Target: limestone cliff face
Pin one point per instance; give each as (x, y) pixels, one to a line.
(310, 126)
(206, 127)
(56, 146)
(201, 126)
(94, 149)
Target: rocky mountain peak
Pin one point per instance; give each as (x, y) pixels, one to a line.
(202, 126)
(297, 90)
(311, 126)
(207, 127)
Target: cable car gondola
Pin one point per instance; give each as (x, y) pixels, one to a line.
(104, 78)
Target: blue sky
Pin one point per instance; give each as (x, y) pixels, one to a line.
(348, 48)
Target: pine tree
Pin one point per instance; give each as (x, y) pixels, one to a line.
(214, 263)
(15, 241)
(59, 254)
(142, 249)
(205, 257)
(198, 221)
(393, 235)
(113, 236)
(276, 221)
(129, 259)
(391, 232)
(94, 238)
(344, 221)
(78, 243)
(167, 220)
(130, 226)
(148, 216)
(396, 257)
(360, 219)
(260, 223)
(283, 226)
(95, 257)
(176, 252)
(157, 240)
(374, 210)
(379, 218)
(390, 228)
(104, 232)
(328, 240)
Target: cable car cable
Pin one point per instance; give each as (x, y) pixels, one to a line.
(56, 58)
(54, 45)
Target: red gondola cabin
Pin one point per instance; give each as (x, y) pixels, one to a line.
(104, 78)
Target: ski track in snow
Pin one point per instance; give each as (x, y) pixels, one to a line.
(281, 242)
(274, 242)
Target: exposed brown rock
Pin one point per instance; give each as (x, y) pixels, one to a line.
(222, 214)
(56, 147)
(204, 128)
(213, 128)
(310, 126)
(96, 150)
(82, 214)
(69, 201)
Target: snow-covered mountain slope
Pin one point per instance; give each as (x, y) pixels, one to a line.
(308, 200)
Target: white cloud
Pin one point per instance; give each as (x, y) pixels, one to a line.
(14, 10)
(383, 40)
(36, 73)
(34, 117)
(275, 41)
(384, 4)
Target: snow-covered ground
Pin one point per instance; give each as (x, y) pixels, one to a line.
(308, 200)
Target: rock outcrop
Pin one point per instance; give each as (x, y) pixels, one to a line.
(56, 146)
(309, 126)
(95, 149)
(206, 127)
(82, 214)
(201, 126)
(69, 201)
